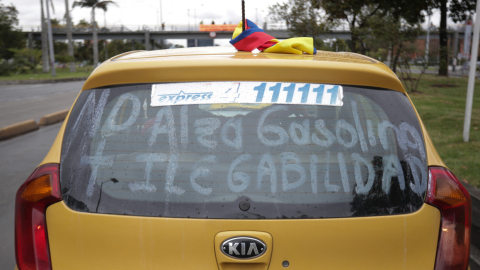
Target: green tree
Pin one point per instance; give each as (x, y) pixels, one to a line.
(25, 60)
(83, 23)
(60, 47)
(93, 4)
(302, 18)
(9, 37)
(61, 52)
(357, 14)
(458, 10)
(83, 51)
(334, 45)
(392, 33)
(413, 55)
(116, 47)
(56, 22)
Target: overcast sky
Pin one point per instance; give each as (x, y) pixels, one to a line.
(136, 13)
(147, 12)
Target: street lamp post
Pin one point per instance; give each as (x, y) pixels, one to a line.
(161, 19)
(471, 76)
(105, 41)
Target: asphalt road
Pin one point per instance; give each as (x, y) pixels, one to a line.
(21, 155)
(19, 103)
(18, 158)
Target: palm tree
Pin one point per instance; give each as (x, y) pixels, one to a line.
(69, 37)
(50, 39)
(93, 4)
(45, 61)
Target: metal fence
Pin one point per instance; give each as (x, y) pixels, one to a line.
(339, 27)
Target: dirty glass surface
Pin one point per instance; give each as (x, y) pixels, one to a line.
(120, 155)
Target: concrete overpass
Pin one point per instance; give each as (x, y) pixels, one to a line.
(147, 34)
(124, 33)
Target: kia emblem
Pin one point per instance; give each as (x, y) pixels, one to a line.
(243, 247)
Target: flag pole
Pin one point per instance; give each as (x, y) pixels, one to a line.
(243, 15)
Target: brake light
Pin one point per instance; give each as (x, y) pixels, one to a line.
(447, 194)
(40, 190)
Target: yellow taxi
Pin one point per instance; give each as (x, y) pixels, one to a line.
(209, 158)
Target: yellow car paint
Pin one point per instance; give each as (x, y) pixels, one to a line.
(235, 67)
(53, 155)
(97, 241)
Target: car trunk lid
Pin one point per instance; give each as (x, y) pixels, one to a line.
(95, 241)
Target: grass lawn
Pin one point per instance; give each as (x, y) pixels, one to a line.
(442, 110)
(62, 73)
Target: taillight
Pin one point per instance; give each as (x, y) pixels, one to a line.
(40, 190)
(447, 194)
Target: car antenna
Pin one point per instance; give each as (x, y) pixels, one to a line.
(243, 15)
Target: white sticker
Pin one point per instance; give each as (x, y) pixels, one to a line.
(246, 92)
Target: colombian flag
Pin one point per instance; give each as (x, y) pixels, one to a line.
(255, 38)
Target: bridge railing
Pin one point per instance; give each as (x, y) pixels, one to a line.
(154, 28)
(341, 27)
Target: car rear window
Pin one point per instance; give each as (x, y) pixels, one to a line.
(243, 150)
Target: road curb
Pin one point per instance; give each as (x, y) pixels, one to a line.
(11, 82)
(18, 129)
(53, 118)
(30, 125)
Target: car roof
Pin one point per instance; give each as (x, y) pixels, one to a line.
(228, 64)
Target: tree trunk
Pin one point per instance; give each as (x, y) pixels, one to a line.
(396, 56)
(50, 42)
(354, 35)
(69, 37)
(105, 48)
(354, 40)
(45, 63)
(95, 39)
(363, 49)
(443, 69)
